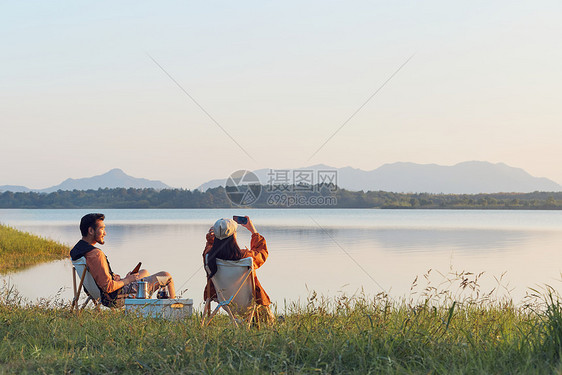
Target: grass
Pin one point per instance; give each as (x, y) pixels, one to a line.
(449, 327)
(19, 250)
(435, 334)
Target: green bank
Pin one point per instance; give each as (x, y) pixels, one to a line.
(19, 250)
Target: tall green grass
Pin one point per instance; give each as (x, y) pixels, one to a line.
(19, 250)
(432, 334)
(448, 327)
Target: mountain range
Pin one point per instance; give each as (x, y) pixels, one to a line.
(470, 177)
(464, 178)
(115, 178)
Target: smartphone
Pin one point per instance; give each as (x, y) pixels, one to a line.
(137, 268)
(240, 219)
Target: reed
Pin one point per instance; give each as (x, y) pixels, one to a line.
(19, 250)
(429, 333)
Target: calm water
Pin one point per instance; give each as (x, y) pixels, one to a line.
(328, 251)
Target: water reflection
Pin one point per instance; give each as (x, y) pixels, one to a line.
(306, 258)
(400, 239)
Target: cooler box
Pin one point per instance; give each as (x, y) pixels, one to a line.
(171, 309)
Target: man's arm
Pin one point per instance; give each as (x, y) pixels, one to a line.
(99, 269)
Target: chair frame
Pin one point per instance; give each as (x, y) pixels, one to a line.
(226, 302)
(74, 305)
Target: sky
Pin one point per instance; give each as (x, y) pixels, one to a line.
(185, 92)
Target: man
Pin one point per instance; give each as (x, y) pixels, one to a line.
(112, 287)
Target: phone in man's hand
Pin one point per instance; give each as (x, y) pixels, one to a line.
(137, 268)
(240, 219)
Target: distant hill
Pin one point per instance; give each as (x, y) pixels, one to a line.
(15, 188)
(470, 177)
(115, 178)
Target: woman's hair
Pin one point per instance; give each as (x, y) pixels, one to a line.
(226, 249)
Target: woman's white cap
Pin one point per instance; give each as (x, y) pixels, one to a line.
(224, 228)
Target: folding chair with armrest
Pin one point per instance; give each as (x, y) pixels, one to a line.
(87, 282)
(234, 284)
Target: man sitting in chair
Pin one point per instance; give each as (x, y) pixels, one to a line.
(221, 244)
(112, 287)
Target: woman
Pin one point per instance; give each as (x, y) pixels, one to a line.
(221, 244)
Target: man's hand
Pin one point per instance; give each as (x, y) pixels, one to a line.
(131, 278)
(116, 277)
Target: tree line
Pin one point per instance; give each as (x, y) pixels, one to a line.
(318, 198)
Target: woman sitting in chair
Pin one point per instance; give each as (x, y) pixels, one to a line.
(221, 244)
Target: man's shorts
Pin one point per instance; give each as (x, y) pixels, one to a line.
(130, 290)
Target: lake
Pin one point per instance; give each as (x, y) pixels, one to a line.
(330, 251)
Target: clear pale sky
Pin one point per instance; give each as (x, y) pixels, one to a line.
(79, 94)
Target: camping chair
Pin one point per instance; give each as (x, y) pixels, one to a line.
(87, 281)
(234, 284)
